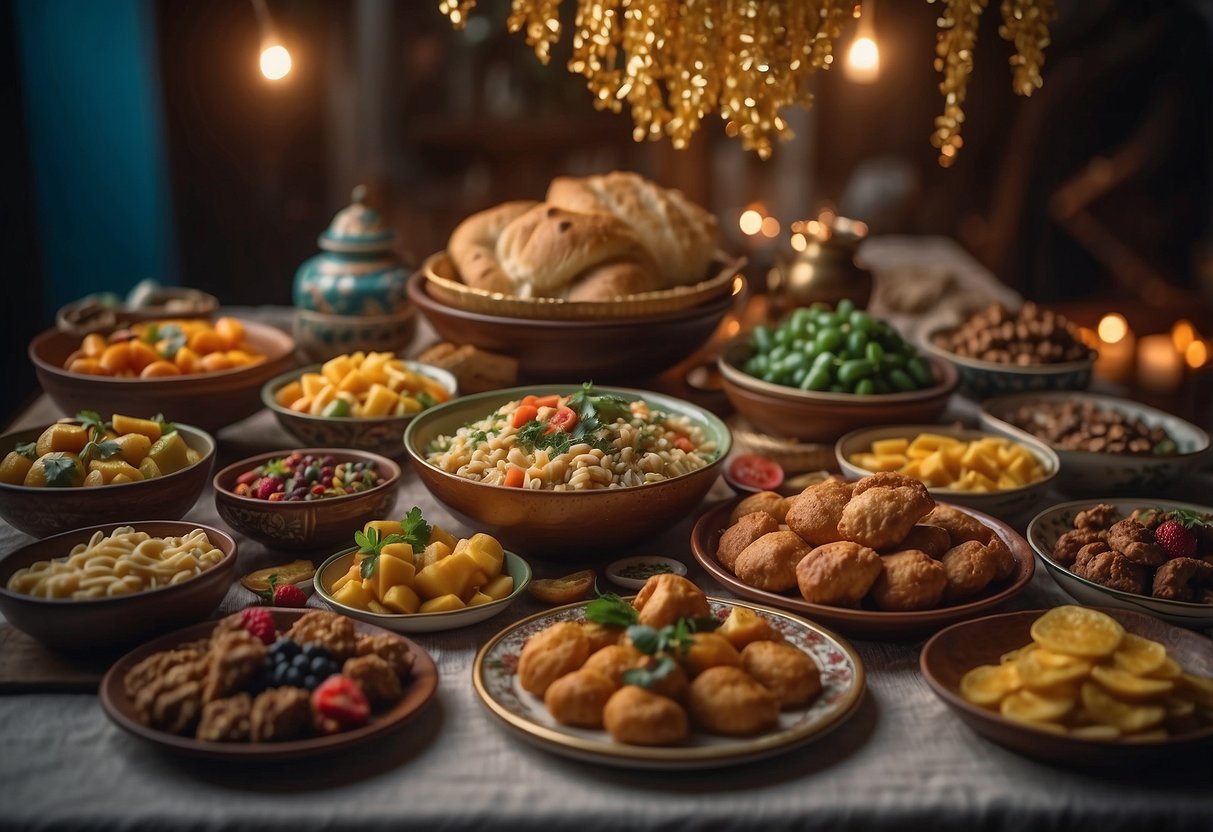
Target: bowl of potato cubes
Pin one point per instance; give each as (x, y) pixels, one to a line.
(409, 576)
(972, 468)
(363, 400)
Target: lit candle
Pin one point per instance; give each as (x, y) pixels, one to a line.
(1116, 344)
(1160, 367)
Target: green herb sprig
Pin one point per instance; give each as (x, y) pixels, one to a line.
(417, 534)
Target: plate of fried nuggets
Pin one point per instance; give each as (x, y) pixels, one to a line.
(874, 557)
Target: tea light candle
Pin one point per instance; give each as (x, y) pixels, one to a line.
(1117, 347)
(1160, 367)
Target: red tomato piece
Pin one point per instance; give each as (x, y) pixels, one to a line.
(565, 418)
(684, 444)
(757, 472)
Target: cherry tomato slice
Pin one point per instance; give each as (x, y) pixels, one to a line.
(565, 418)
(751, 471)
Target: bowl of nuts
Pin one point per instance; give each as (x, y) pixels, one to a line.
(1106, 445)
(1000, 352)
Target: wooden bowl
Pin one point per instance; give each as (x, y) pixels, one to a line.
(210, 400)
(823, 417)
(556, 350)
(866, 623)
(302, 524)
(953, 652)
(43, 511)
(104, 624)
(562, 525)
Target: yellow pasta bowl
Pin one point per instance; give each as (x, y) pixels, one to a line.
(161, 591)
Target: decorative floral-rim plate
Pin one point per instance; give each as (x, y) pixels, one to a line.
(842, 676)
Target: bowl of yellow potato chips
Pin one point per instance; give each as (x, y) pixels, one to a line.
(977, 469)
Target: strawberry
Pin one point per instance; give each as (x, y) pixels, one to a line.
(259, 622)
(1176, 539)
(283, 595)
(267, 486)
(338, 703)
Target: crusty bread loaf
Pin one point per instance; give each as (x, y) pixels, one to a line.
(545, 250)
(680, 236)
(473, 246)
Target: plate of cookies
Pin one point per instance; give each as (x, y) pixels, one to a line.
(269, 683)
(876, 557)
(670, 679)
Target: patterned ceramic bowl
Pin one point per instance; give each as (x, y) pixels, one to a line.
(982, 379)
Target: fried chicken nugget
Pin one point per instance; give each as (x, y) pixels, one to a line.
(666, 598)
(838, 574)
(1065, 550)
(969, 568)
(1182, 579)
(910, 580)
(960, 526)
(774, 504)
(881, 516)
(934, 540)
(578, 698)
(727, 700)
(815, 513)
(1098, 518)
(770, 561)
(551, 653)
(640, 717)
(786, 671)
(741, 534)
(1135, 542)
(1096, 562)
(1005, 564)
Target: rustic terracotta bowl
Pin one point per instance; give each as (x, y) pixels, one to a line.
(562, 525)
(105, 624)
(958, 649)
(378, 434)
(865, 623)
(43, 511)
(210, 400)
(555, 350)
(303, 524)
(823, 417)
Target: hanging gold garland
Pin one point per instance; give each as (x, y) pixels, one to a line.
(676, 61)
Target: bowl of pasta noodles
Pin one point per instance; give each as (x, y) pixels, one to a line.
(107, 587)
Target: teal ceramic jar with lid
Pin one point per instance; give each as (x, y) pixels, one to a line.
(351, 296)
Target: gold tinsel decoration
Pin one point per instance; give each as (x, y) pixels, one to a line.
(676, 61)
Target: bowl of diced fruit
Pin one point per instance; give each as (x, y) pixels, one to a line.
(87, 470)
(360, 400)
(305, 499)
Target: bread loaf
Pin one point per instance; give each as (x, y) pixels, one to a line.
(473, 246)
(680, 236)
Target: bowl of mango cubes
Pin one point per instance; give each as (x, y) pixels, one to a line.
(363, 400)
(88, 470)
(409, 576)
(971, 468)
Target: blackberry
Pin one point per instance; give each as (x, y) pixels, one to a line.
(288, 663)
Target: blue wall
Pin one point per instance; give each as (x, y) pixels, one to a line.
(91, 86)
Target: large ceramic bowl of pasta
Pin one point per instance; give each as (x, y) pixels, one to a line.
(105, 588)
(568, 471)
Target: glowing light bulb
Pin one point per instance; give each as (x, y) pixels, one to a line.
(275, 62)
(750, 222)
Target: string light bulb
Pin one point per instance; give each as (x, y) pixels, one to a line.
(863, 57)
(275, 58)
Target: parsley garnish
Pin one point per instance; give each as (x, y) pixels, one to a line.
(171, 338)
(416, 534)
(166, 427)
(91, 420)
(60, 470)
(650, 673)
(29, 450)
(416, 530)
(611, 610)
(105, 449)
(676, 638)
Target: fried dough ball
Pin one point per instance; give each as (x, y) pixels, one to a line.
(551, 653)
(1065, 550)
(578, 698)
(910, 580)
(773, 504)
(741, 534)
(880, 516)
(666, 598)
(1098, 518)
(838, 574)
(744, 626)
(674, 685)
(890, 479)
(727, 700)
(1005, 564)
(786, 671)
(1135, 542)
(770, 561)
(969, 568)
(1096, 562)
(934, 540)
(601, 635)
(1182, 579)
(815, 513)
(709, 650)
(611, 661)
(959, 526)
(640, 717)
